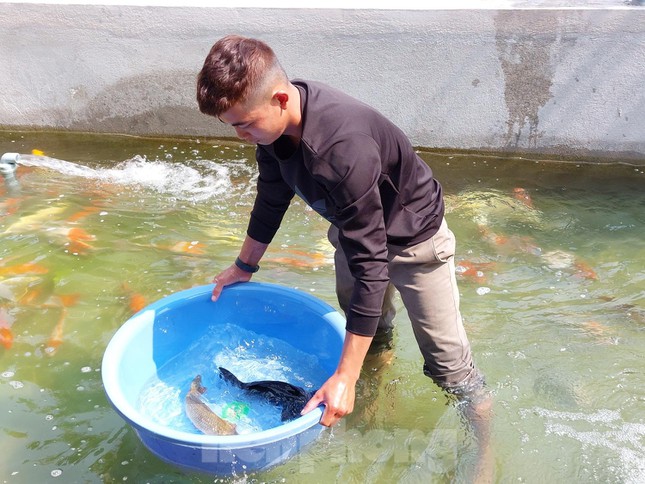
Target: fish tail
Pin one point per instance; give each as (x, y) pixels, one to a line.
(56, 337)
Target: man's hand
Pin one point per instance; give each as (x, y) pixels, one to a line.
(339, 391)
(337, 394)
(251, 252)
(231, 275)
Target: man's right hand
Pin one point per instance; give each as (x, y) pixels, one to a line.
(339, 391)
(337, 394)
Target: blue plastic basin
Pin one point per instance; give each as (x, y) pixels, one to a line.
(167, 327)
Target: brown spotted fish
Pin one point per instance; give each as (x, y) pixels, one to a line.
(201, 415)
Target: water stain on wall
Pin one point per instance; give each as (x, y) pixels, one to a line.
(525, 47)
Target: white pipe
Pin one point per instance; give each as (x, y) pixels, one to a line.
(9, 163)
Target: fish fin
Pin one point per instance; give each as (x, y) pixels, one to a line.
(230, 377)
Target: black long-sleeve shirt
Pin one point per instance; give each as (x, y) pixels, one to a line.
(360, 172)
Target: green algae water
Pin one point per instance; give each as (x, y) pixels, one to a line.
(550, 262)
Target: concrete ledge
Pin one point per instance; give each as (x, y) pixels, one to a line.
(553, 81)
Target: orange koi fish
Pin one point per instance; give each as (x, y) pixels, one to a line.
(38, 293)
(601, 333)
(184, 247)
(136, 301)
(56, 336)
(27, 268)
(6, 335)
(77, 240)
(10, 206)
(301, 259)
(491, 237)
(510, 244)
(595, 328)
(523, 196)
(82, 214)
(291, 261)
(473, 270)
(34, 295)
(69, 300)
(35, 221)
(584, 270)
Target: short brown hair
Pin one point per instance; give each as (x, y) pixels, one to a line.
(235, 68)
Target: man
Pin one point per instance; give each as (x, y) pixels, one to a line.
(360, 172)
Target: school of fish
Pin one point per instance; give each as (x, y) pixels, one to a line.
(29, 284)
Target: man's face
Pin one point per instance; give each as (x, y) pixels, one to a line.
(262, 123)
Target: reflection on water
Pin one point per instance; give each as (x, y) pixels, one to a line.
(550, 263)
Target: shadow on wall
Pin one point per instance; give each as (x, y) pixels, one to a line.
(140, 105)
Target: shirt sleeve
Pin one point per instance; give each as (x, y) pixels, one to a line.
(360, 220)
(271, 201)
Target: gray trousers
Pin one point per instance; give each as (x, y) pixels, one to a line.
(424, 275)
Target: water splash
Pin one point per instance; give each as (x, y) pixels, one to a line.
(249, 355)
(196, 181)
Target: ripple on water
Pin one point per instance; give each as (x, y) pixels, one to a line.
(604, 430)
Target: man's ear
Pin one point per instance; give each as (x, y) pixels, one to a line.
(282, 98)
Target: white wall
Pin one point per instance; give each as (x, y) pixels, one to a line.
(553, 80)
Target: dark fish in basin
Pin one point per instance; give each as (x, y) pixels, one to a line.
(290, 398)
(201, 415)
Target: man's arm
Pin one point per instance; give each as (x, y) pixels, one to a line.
(339, 391)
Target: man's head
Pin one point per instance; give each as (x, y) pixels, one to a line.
(237, 70)
(243, 84)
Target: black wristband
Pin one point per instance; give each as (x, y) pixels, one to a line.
(246, 267)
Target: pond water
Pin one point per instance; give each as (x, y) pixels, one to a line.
(551, 269)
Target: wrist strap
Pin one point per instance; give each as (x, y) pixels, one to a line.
(246, 267)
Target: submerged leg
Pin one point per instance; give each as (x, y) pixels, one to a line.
(475, 402)
(425, 277)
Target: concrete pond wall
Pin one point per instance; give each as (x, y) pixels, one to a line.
(552, 79)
